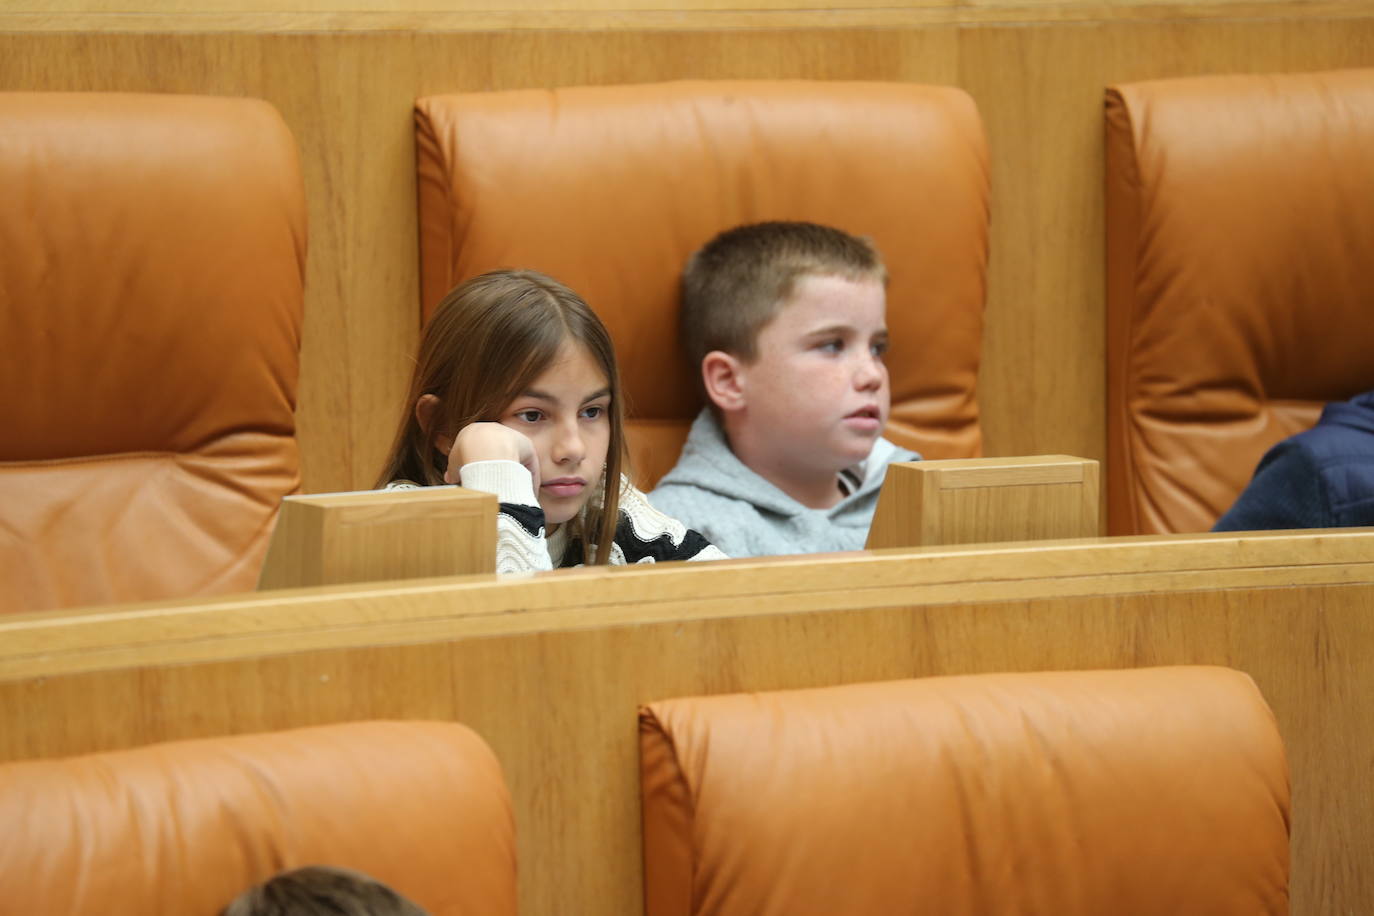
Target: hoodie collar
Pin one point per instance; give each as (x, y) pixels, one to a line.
(708, 463)
(1356, 413)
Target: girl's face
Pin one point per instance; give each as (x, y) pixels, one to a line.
(566, 413)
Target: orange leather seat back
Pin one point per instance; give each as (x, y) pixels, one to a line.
(187, 826)
(610, 189)
(1240, 227)
(150, 308)
(1080, 793)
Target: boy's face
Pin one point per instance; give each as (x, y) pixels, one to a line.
(817, 396)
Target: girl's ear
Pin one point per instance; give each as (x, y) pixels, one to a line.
(723, 376)
(427, 415)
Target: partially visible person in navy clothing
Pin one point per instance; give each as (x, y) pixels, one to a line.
(1322, 478)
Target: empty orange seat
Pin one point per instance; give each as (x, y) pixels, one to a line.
(1144, 791)
(184, 827)
(150, 308)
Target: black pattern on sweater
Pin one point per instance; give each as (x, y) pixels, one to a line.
(531, 518)
(636, 549)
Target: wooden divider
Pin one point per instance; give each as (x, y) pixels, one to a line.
(979, 500)
(550, 669)
(345, 74)
(378, 535)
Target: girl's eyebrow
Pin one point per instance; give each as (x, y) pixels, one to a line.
(537, 395)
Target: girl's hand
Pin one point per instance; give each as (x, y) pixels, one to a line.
(491, 442)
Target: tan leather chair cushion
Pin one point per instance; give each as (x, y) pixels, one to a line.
(150, 308)
(1143, 791)
(611, 188)
(1240, 230)
(185, 827)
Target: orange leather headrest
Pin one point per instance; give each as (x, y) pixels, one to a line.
(150, 300)
(1076, 793)
(185, 827)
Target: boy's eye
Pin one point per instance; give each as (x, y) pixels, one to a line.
(879, 348)
(831, 346)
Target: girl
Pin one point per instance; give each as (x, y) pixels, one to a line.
(516, 393)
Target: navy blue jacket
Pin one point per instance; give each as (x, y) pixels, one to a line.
(1322, 478)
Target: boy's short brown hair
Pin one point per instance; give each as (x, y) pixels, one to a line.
(321, 890)
(734, 285)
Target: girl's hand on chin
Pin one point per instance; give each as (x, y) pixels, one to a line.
(491, 442)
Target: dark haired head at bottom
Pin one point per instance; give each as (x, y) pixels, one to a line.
(321, 890)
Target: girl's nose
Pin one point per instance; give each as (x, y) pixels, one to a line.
(569, 448)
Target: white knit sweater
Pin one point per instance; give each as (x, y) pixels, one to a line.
(642, 535)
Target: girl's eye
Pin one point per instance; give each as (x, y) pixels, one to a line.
(529, 416)
(595, 412)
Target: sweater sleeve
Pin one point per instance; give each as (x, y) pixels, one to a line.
(1286, 492)
(520, 532)
(646, 535)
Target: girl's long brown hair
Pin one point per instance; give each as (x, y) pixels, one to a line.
(486, 342)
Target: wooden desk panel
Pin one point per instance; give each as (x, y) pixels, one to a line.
(550, 669)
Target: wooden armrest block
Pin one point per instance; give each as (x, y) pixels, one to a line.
(378, 535)
(982, 500)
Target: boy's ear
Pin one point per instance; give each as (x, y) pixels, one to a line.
(427, 415)
(722, 374)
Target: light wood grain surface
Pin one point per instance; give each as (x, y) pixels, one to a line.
(977, 500)
(367, 15)
(345, 77)
(550, 669)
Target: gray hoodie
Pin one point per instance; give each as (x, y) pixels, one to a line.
(712, 491)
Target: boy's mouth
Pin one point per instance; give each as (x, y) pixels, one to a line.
(865, 419)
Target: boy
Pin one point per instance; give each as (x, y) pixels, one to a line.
(786, 322)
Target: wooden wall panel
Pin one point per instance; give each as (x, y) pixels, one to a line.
(550, 670)
(1036, 71)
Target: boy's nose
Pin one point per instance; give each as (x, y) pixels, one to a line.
(869, 374)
